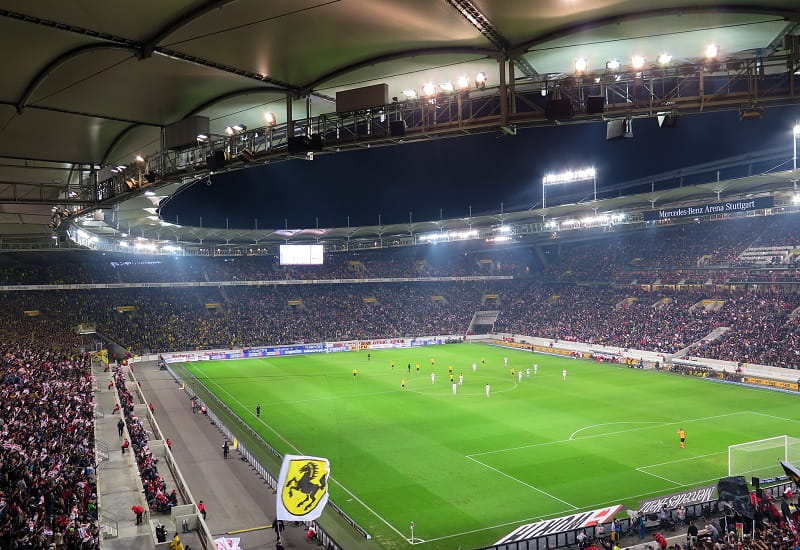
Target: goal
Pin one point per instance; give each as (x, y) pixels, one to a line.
(760, 458)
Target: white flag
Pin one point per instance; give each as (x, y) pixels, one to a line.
(302, 488)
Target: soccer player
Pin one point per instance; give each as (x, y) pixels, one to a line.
(403, 383)
(455, 388)
(450, 369)
(564, 374)
(528, 372)
(409, 367)
(682, 437)
(488, 390)
(452, 378)
(433, 377)
(258, 412)
(461, 379)
(513, 372)
(433, 362)
(474, 367)
(483, 360)
(355, 372)
(519, 375)
(417, 367)
(392, 365)
(535, 368)
(505, 361)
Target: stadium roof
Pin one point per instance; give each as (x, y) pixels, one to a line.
(93, 84)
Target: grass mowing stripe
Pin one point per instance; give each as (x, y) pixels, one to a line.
(298, 451)
(466, 467)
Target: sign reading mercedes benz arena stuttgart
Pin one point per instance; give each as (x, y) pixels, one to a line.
(706, 209)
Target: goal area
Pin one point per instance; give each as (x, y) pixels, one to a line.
(761, 458)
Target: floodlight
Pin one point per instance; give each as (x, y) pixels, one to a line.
(612, 65)
(429, 89)
(637, 62)
(796, 130)
(229, 130)
(270, 119)
(664, 59)
(463, 82)
(139, 158)
(581, 64)
(480, 80)
(202, 137)
(796, 199)
(446, 86)
(712, 51)
(410, 94)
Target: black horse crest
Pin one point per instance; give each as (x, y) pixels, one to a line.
(305, 478)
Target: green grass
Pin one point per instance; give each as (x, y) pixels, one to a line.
(468, 469)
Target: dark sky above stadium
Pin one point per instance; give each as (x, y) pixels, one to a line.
(478, 171)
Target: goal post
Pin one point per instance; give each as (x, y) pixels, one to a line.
(761, 458)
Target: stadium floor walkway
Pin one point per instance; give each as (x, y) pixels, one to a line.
(235, 496)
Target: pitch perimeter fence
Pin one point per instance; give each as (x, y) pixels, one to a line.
(323, 537)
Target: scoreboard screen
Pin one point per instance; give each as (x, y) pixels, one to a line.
(301, 254)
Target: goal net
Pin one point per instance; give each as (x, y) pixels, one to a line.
(760, 458)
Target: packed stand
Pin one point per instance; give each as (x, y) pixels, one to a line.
(47, 460)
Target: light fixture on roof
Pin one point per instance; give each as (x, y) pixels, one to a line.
(446, 86)
(612, 65)
(139, 158)
(270, 119)
(480, 80)
(429, 89)
(581, 65)
(235, 129)
(712, 51)
(463, 82)
(409, 94)
(202, 138)
(664, 59)
(637, 62)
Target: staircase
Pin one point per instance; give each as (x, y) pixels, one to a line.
(767, 255)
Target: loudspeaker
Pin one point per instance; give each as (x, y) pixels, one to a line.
(216, 160)
(397, 128)
(595, 104)
(304, 144)
(667, 120)
(557, 109)
(619, 128)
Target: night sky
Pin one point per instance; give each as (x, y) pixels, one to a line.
(453, 174)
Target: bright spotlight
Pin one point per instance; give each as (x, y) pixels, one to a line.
(664, 59)
(409, 94)
(270, 119)
(480, 80)
(463, 82)
(139, 158)
(429, 89)
(712, 51)
(581, 64)
(637, 62)
(612, 65)
(796, 130)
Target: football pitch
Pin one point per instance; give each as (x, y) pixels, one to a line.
(466, 468)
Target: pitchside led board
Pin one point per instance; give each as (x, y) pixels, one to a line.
(301, 254)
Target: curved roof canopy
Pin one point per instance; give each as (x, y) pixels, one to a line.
(93, 83)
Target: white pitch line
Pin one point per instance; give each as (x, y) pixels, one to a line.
(522, 482)
(658, 476)
(607, 434)
(331, 479)
(682, 459)
(572, 437)
(776, 417)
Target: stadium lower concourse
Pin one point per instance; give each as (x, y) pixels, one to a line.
(429, 274)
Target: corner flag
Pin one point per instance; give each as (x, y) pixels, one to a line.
(302, 488)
